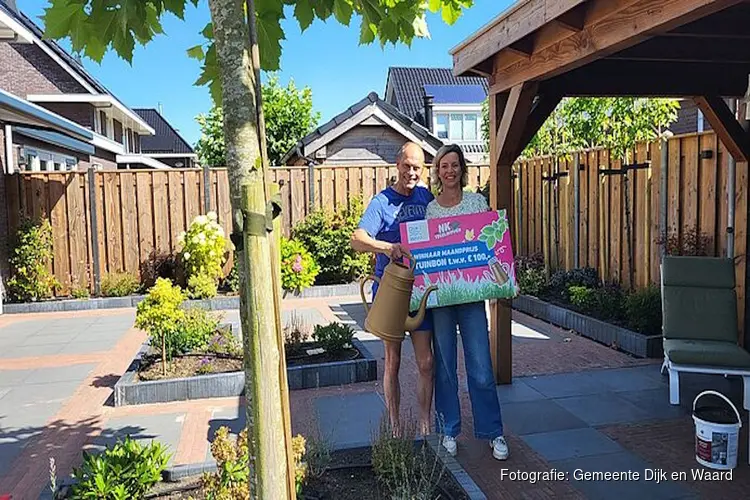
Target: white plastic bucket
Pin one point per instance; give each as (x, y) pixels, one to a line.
(716, 443)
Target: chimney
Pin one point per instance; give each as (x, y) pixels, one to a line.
(161, 110)
(428, 112)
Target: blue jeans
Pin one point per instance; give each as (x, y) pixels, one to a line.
(472, 321)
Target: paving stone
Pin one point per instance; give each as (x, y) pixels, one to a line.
(32, 351)
(619, 462)
(530, 417)
(70, 373)
(350, 421)
(517, 391)
(48, 339)
(9, 378)
(562, 385)
(642, 378)
(4, 391)
(51, 392)
(164, 428)
(603, 409)
(655, 403)
(87, 347)
(571, 443)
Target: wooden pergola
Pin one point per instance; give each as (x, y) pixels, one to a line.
(539, 51)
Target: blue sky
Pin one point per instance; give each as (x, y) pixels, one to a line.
(326, 57)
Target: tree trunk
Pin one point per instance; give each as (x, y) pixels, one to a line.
(268, 460)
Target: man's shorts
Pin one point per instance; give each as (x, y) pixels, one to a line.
(426, 324)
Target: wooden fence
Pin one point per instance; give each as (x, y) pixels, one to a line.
(137, 215)
(115, 221)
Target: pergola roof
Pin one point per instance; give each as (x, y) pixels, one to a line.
(615, 47)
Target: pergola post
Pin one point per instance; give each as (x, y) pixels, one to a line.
(509, 113)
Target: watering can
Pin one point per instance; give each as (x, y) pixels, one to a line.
(388, 318)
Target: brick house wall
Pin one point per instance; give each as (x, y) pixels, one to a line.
(4, 236)
(27, 69)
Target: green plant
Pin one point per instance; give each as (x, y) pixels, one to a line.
(161, 316)
(561, 281)
(295, 333)
(230, 481)
(31, 262)
(223, 342)
(406, 470)
(194, 331)
(202, 254)
(643, 310)
(333, 337)
(327, 236)
(202, 286)
(298, 268)
(80, 292)
(232, 281)
(160, 265)
(690, 243)
(124, 471)
(583, 298)
(119, 284)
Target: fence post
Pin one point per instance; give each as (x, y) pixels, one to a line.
(576, 209)
(663, 177)
(207, 188)
(311, 184)
(94, 233)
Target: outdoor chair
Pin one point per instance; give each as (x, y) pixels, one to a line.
(699, 308)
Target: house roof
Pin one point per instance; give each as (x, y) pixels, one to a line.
(166, 139)
(19, 112)
(57, 53)
(370, 106)
(408, 86)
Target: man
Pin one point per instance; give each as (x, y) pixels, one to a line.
(379, 233)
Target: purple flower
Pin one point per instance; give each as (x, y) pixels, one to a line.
(297, 266)
(204, 361)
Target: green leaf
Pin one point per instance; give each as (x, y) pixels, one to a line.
(270, 35)
(451, 13)
(196, 52)
(60, 18)
(176, 7)
(208, 31)
(95, 49)
(366, 33)
(303, 11)
(434, 6)
(342, 11)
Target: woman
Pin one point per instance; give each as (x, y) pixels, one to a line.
(449, 176)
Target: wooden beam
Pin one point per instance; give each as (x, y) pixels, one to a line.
(574, 19)
(522, 19)
(524, 47)
(543, 107)
(702, 50)
(509, 113)
(624, 28)
(651, 79)
(726, 126)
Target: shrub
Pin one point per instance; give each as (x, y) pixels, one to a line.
(161, 316)
(194, 331)
(298, 268)
(232, 282)
(561, 281)
(160, 265)
(223, 342)
(691, 243)
(119, 284)
(126, 470)
(531, 275)
(230, 481)
(30, 261)
(295, 333)
(333, 337)
(202, 254)
(643, 310)
(80, 292)
(202, 286)
(582, 298)
(327, 236)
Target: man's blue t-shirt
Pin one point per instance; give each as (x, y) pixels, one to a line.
(386, 211)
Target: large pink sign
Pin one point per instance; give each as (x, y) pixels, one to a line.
(468, 257)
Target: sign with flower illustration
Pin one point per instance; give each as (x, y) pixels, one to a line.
(468, 257)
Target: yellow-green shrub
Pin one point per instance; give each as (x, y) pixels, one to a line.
(30, 261)
(202, 254)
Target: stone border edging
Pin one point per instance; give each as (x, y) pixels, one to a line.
(217, 303)
(643, 346)
(232, 384)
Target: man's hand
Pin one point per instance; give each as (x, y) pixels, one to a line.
(398, 252)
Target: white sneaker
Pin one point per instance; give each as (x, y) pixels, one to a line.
(499, 448)
(449, 443)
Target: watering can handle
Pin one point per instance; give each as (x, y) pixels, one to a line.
(362, 290)
(412, 263)
(714, 393)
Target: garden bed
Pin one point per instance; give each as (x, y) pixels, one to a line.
(349, 476)
(637, 344)
(143, 382)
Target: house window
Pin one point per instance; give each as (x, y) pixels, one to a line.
(103, 123)
(457, 126)
(45, 161)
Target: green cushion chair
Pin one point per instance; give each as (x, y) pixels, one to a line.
(699, 308)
